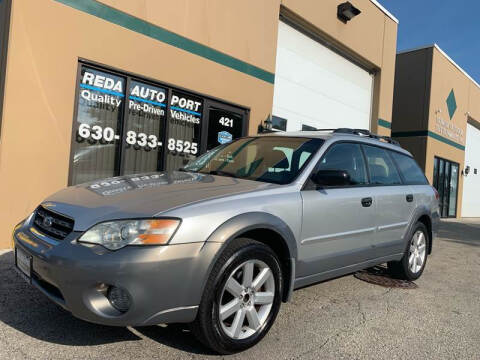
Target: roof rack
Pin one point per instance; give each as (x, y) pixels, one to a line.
(362, 132)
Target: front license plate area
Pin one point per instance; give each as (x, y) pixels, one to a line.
(23, 263)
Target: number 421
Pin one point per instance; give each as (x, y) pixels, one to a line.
(226, 121)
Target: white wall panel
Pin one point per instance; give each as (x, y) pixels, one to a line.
(471, 182)
(317, 87)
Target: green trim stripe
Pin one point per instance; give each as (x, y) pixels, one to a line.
(384, 123)
(430, 134)
(140, 26)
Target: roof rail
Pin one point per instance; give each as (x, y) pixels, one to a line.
(362, 132)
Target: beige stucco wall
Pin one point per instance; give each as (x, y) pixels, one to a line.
(245, 29)
(43, 59)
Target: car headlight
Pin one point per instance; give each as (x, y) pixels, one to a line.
(115, 235)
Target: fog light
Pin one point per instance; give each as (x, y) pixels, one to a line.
(119, 298)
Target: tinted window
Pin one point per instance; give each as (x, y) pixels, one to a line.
(183, 129)
(347, 157)
(409, 169)
(100, 110)
(279, 123)
(144, 126)
(223, 127)
(274, 159)
(381, 167)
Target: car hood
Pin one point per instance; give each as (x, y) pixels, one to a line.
(142, 195)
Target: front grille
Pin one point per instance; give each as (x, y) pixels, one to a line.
(52, 224)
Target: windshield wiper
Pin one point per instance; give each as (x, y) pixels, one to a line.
(221, 173)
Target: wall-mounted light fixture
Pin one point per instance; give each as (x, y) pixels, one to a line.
(346, 12)
(466, 171)
(266, 126)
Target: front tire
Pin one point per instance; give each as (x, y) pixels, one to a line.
(241, 299)
(413, 262)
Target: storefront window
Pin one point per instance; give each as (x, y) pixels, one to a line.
(98, 124)
(452, 202)
(144, 128)
(124, 125)
(184, 124)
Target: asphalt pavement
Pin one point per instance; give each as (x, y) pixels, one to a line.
(345, 318)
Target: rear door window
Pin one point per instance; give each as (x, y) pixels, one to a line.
(381, 167)
(411, 172)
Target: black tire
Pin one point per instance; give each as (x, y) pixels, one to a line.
(207, 326)
(401, 269)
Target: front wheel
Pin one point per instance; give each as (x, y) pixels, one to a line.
(411, 266)
(241, 299)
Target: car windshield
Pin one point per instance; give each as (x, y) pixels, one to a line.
(273, 159)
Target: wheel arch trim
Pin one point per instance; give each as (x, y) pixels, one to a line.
(416, 216)
(244, 223)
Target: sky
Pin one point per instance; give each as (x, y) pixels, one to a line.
(453, 25)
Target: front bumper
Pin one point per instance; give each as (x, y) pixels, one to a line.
(165, 283)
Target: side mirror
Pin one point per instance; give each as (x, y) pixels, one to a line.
(331, 178)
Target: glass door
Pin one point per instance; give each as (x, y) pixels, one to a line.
(445, 180)
(225, 123)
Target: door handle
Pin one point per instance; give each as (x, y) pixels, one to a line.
(409, 198)
(367, 202)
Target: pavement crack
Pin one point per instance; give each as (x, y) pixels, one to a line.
(361, 312)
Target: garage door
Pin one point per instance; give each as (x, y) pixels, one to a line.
(471, 182)
(316, 87)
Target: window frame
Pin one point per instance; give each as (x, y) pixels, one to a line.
(207, 100)
(5, 27)
(436, 175)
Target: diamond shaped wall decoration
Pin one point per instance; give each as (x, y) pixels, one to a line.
(451, 104)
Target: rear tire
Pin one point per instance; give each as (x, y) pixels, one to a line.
(413, 262)
(241, 299)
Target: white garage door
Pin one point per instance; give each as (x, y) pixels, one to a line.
(316, 87)
(471, 182)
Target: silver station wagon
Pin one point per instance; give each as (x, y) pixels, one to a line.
(222, 242)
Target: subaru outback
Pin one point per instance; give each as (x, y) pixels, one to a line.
(222, 242)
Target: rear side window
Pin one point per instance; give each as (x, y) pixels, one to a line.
(381, 167)
(347, 157)
(411, 172)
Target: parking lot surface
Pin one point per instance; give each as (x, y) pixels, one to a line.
(344, 318)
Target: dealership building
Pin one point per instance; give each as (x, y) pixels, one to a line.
(98, 88)
(436, 116)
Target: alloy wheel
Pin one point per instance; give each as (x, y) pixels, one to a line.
(417, 252)
(246, 299)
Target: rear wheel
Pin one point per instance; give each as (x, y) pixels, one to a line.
(241, 299)
(411, 266)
